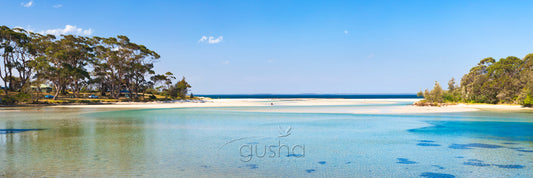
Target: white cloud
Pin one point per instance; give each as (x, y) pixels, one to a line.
(28, 4)
(225, 62)
(57, 5)
(345, 31)
(211, 39)
(202, 39)
(69, 29)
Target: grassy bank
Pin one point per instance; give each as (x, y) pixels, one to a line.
(36, 99)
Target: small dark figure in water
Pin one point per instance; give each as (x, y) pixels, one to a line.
(271, 104)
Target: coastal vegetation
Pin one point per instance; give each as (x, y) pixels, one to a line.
(504, 81)
(34, 65)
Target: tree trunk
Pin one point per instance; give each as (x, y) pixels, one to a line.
(76, 89)
(10, 78)
(58, 89)
(102, 89)
(5, 87)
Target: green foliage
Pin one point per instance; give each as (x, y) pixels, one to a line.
(179, 90)
(163, 82)
(528, 101)
(74, 64)
(122, 65)
(23, 97)
(506, 81)
(451, 84)
(151, 91)
(496, 81)
(419, 94)
(8, 100)
(436, 95)
(17, 51)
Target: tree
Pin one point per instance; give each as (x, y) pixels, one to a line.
(473, 82)
(8, 42)
(25, 53)
(66, 61)
(123, 63)
(451, 84)
(526, 78)
(53, 66)
(18, 50)
(179, 90)
(163, 82)
(508, 80)
(528, 101)
(437, 93)
(78, 54)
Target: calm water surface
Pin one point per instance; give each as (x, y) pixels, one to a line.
(244, 141)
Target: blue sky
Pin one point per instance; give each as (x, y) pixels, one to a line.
(287, 47)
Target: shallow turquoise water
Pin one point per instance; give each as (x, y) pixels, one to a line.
(240, 141)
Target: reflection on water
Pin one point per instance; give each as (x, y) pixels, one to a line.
(204, 142)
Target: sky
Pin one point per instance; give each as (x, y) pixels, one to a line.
(292, 47)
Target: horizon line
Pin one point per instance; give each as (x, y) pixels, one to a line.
(314, 94)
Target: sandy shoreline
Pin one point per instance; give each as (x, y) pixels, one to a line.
(383, 106)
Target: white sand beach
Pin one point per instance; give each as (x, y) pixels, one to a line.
(341, 106)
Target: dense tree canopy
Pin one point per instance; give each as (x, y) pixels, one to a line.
(506, 81)
(18, 48)
(113, 65)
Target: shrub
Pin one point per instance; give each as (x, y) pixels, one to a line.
(23, 97)
(151, 91)
(7, 100)
(528, 102)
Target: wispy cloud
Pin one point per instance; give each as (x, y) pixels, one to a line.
(27, 28)
(202, 39)
(345, 31)
(211, 39)
(225, 62)
(28, 4)
(69, 29)
(57, 5)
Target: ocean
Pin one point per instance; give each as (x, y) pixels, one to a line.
(344, 96)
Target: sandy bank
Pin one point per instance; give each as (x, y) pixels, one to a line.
(244, 102)
(358, 106)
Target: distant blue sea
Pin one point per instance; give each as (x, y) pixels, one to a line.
(345, 96)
